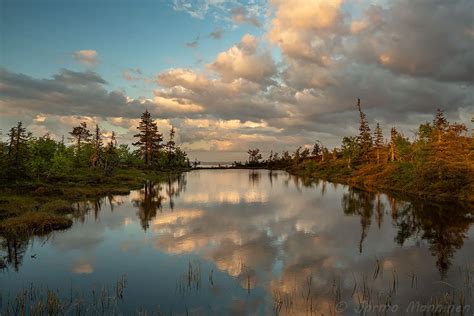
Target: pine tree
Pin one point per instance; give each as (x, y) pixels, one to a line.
(18, 149)
(393, 146)
(440, 124)
(378, 141)
(276, 157)
(297, 155)
(149, 138)
(111, 156)
(171, 145)
(349, 149)
(270, 157)
(304, 154)
(324, 154)
(365, 138)
(3, 162)
(80, 134)
(97, 145)
(316, 152)
(254, 156)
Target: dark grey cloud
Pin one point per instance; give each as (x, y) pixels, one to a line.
(240, 15)
(80, 78)
(432, 39)
(68, 93)
(216, 34)
(194, 43)
(404, 59)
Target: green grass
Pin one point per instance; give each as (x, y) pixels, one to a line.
(33, 223)
(400, 177)
(38, 207)
(57, 206)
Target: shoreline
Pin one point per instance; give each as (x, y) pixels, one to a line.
(373, 184)
(35, 208)
(38, 208)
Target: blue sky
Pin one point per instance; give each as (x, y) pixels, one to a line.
(277, 74)
(39, 37)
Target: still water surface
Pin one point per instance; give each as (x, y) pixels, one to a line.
(252, 242)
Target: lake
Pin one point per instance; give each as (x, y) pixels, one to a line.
(249, 242)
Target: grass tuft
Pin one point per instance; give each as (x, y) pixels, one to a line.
(36, 223)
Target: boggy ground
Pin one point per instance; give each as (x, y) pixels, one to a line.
(398, 178)
(36, 207)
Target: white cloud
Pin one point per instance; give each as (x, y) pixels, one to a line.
(245, 61)
(86, 57)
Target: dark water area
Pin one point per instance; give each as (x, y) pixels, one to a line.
(251, 242)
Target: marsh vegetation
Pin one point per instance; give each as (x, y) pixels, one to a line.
(437, 163)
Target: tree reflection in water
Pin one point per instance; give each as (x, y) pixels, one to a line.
(150, 200)
(285, 240)
(357, 202)
(443, 226)
(15, 248)
(254, 177)
(152, 196)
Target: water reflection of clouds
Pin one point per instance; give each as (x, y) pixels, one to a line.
(176, 217)
(82, 266)
(275, 234)
(227, 197)
(309, 235)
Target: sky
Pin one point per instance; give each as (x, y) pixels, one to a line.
(232, 75)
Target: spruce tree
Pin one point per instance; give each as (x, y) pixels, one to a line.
(440, 124)
(316, 152)
(97, 145)
(378, 141)
(80, 135)
(149, 138)
(393, 145)
(17, 152)
(171, 146)
(365, 138)
(110, 155)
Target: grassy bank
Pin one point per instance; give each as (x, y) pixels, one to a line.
(399, 177)
(38, 207)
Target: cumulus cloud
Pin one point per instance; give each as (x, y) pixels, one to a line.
(245, 61)
(307, 29)
(403, 58)
(86, 57)
(389, 57)
(418, 38)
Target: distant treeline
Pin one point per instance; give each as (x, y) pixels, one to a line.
(439, 162)
(24, 157)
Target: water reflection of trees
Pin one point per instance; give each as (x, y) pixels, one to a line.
(357, 202)
(153, 194)
(149, 201)
(14, 248)
(272, 175)
(254, 177)
(443, 226)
